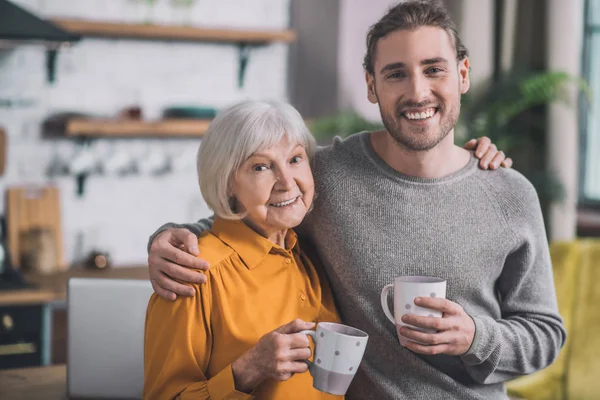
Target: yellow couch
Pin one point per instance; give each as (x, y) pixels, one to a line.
(575, 375)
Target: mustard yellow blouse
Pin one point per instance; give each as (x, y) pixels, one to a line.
(254, 286)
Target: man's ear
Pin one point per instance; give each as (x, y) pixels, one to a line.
(370, 87)
(463, 71)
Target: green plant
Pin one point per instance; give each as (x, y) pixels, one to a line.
(511, 112)
(343, 124)
(183, 3)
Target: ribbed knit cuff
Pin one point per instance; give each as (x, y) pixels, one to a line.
(485, 342)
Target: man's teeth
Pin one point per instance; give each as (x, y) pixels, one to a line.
(422, 115)
(284, 203)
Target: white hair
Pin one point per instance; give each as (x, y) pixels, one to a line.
(234, 135)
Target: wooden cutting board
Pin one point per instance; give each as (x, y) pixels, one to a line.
(30, 207)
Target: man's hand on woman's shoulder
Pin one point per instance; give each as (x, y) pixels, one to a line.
(173, 255)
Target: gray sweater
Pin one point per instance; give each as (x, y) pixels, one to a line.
(480, 230)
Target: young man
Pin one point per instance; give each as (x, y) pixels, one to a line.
(407, 201)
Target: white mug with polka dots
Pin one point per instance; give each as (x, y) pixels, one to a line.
(406, 289)
(339, 350)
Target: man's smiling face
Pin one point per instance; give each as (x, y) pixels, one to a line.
(417, 82)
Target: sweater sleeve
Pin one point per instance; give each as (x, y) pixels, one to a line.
(196, 228)
(177, 351)
(530, 332)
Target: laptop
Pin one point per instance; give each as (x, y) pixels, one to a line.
(105, 350)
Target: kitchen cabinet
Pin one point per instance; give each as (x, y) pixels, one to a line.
(21, 336)
(34, 333)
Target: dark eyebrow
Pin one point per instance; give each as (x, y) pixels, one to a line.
(392, 66)
(427, 61)
(435, 60)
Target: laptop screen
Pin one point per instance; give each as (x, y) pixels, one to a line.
(106, 318)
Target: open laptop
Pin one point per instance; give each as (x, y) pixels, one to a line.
(105, 353)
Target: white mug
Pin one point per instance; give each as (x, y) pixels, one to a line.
(339, 350)
(406, 289)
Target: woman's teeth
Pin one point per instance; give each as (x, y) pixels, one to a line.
(422, 115)
(284, 203)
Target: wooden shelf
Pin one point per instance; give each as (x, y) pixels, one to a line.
(172, 32)
(26, 296)
(132, 128)
(53, 287)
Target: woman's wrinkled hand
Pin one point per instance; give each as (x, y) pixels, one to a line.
(278, 355)
(488, 154)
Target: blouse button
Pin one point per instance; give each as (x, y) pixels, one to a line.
(303, 297)
(288, 260)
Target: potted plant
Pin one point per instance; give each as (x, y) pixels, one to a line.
(512, 113)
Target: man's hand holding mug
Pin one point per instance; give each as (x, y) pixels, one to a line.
(427, 322)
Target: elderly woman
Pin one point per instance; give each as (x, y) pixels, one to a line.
(238, 336)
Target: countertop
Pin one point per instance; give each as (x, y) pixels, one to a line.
(53, 288)
(43, 383)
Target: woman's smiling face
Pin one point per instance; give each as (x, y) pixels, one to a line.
(274, 188)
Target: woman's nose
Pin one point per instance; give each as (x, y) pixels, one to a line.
(285, 180)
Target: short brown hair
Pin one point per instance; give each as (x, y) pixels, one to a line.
(411, 15)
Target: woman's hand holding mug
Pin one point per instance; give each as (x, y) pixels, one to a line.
(277, 355)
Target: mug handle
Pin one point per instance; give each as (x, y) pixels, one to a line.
(313, 335)
(384, 302)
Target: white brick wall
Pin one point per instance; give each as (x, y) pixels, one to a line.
(101, 77)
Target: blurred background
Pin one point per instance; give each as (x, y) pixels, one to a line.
(119, 182)
(103, 104)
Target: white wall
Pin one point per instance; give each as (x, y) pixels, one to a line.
(565, 44)
(356, 16)
(102, 76)
(477, 33)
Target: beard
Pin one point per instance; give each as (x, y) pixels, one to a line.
(419, 138)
